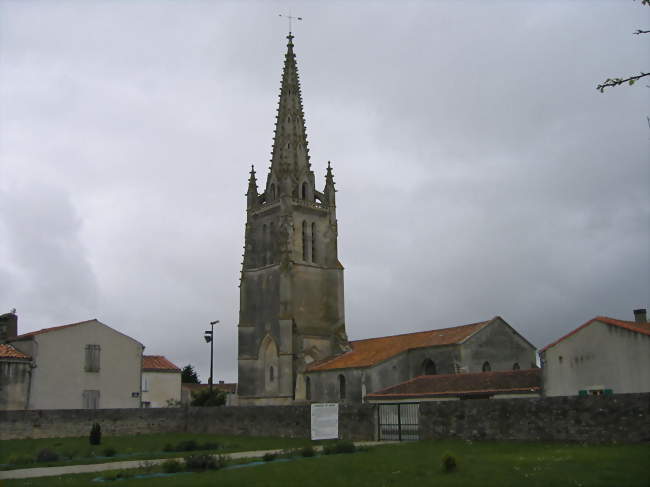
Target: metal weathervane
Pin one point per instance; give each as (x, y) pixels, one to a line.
(291, 18)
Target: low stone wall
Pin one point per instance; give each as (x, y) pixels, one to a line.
(621, 418)
(355, 422)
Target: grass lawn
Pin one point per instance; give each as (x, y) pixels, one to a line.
(419, 463)
(21, 453)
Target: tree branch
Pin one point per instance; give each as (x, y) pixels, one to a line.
(639, 31)
(609, 82)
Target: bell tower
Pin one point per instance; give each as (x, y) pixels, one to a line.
(291, 289)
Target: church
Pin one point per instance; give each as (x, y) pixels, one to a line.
(292, 341)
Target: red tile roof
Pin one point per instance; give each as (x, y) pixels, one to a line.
(643, 328)
(157, 363)
(47, 330)
(480, 383)
(371, 351)
(7, 351)
(230, 388)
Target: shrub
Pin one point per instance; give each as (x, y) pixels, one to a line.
(187, 445)
(307, 451)
(20, 460)
(47, 455)
(95, 434)
(172, 466)
(110, 452)
(209, 445)
(69, 454)
(201, 462)
(344, 446)
(206, 398)
(449, 463)
(269, 457)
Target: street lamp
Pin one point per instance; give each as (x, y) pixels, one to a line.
(208, 336)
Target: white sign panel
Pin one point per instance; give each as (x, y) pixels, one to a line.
(324, 421)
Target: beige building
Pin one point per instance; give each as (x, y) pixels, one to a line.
(86, 365)
(161, 382)
(603, 356)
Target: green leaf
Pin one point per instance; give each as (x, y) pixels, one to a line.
(632, 82)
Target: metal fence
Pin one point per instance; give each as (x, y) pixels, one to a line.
(398, 422)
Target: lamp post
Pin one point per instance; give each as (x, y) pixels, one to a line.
(208, 336)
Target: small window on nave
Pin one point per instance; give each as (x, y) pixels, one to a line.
(486, 367)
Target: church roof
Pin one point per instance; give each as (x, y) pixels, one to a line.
(643, 328)
(158, 363)
(7, 351)
(479, 383)
(372, 351)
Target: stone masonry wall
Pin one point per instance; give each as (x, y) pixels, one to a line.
(623, 418)
(355, 422)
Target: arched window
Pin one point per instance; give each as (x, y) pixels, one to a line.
(271, 374)
(515, 366)
(341, 387)
(486, 367)
(313, 242)
(304, 241)
(308, 389)
(429, 367)
(303, 191)
(272, 192)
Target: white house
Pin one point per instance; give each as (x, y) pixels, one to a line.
(85, 365)
(161, 382)
(603, 356)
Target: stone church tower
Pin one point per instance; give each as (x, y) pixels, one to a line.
(291, 291)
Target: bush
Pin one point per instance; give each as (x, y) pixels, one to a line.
(201, 462)
(449, 463)
(20, 460)
(187, 445)
(95, 434)
(307, 451)
(172, 466)
(269, 457)
(47, 455)
(344, 446)
(206, 398)
(210, 445)
(110, 452)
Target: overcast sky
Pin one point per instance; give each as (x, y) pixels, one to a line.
(479, 171)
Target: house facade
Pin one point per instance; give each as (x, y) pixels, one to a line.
(161, 382)
(85, 365)
(602, 356)
(377, 363)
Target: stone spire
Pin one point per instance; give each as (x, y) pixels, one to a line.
(290, 155)
(329, 192)
(251, 194)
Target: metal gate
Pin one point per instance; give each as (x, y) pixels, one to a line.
(398, 422)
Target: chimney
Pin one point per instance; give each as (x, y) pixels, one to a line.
(8, 326)
(640, 315)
